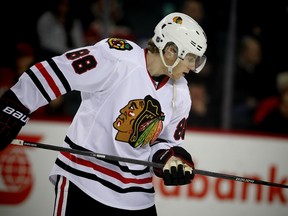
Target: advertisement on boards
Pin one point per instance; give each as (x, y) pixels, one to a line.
(25, 189)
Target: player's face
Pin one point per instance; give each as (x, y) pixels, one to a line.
(184, 66)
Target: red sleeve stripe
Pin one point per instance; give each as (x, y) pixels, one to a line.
(49, 79)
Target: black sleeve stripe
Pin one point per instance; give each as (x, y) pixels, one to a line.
(38, 84)
(60, 75)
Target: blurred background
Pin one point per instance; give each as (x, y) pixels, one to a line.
(243, 87)
(238, 122)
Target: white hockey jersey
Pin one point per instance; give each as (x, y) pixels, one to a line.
(123, 112)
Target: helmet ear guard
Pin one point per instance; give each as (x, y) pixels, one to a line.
(185, 33)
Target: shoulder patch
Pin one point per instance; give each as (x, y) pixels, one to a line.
(119, 44)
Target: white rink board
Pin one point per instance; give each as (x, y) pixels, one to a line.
(242, 155)
(247, 156)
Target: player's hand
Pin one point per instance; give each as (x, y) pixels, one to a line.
(13, 116)
(177, 172)
(178, 166)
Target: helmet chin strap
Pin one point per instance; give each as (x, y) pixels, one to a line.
(170, 71)
(170, 68)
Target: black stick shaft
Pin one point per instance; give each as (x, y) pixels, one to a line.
(145, 163)
(86, 153)
(237, 178)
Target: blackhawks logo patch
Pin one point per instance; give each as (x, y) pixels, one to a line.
(119, 44)
(177, 20)
(140, 122)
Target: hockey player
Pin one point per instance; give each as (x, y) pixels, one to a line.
(135, 103)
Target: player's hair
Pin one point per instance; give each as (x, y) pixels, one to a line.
(154, 49)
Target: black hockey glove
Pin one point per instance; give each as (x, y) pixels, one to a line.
(178, 166)
(13, 116)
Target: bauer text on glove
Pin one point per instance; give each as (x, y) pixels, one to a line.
(13, 116)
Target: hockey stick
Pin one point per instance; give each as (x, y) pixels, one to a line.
(141, 162)
(85, 153)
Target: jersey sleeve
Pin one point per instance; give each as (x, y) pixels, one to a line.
(83, 69)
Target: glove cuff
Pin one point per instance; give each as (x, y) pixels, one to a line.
(13, 116)
(11, 107)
